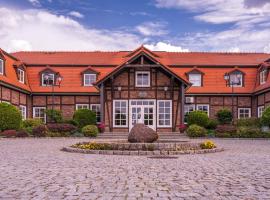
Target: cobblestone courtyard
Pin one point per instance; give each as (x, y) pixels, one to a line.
(36, 169)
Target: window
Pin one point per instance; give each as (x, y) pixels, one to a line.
(47, 79)
(188, 109)
(21, 75)
(203, 107)
(164, 113)
(1, 66)
(89, 79)
(263, 76)
(195, 79)
(82, 106)
(142, 79)
(120, 113)
(236, 79)
(260, 111)
(23, 111)
(39, 113)
(244, 113)
(96, 108)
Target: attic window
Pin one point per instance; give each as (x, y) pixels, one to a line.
(89, 79)
(263, 76)
(195, 79)
(1, 67)
(21, 75)
(47, 79)
(236, 79)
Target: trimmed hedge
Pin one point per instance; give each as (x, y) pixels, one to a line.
(198, 117)
(90, 131)
(84, 117)
(10, 117)
(196, 131)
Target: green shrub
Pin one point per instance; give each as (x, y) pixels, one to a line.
(212, 124)
(84, 117)
(10, 117)
(254, 122)
(77, 134)
(198, 117)
(265, 119)
(53, 134)
(71, 121)
(90, 131)
(54, 116)
(224, 116)
(223, 135)
(40, 131)
(196, 131)
(249, 132)
(29, 124)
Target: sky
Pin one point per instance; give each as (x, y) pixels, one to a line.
(113, 25)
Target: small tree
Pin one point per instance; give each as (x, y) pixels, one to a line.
(224, 116)
(54, 116)
(10, 117)
(84, 117)
(198, 117)
(265, 120)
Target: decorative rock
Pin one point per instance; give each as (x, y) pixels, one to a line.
(141, 133)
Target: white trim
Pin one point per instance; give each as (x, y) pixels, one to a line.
(142, 72)
(42, 78)
(249, 114)
(83, 105)
(39, 117)
(23, 111)
(90, 84)
(164, 126)
(207, 105)
(21, 75)
(1, 67)
(127, 119)
(262, 75)
(258, 111)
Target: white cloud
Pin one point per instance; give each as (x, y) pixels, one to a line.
(76, 14)
(40, 30)
(34, 2)
(162, 46)
(152, 28)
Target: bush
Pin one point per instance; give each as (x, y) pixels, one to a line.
(255, 122)
(54, 116)
(212, 124)
(208, 145)
(265, 120)
(9, 133)
(22, 133)
(54, 134)
(90, 131)
(61, 128)
(226, 128)
(198, 117)
(40, 131)
(84, 117)
(223, 135)
(71, 121)
(10, 117)
(249, 132)
(224, 116)
(196, 131)
(29, 124)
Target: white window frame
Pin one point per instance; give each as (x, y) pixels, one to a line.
(249, 114)
(195, 84)
(241, 80)
(1, 67)
(263, 76)
(91, 108)
(21, 75)
(186, 107)
(207, 105)
(23, 111)
(260, 110)
(158, 112)
(136, 79)
(84, 79)
(35, 117)
(42, 78)
(83, 105)
(127, 119)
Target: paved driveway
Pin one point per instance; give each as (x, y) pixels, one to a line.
(36, 169)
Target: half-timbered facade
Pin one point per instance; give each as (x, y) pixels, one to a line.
(157, 88)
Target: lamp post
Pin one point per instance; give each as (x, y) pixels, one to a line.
(232, 83)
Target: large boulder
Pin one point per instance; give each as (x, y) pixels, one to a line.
(141, 133)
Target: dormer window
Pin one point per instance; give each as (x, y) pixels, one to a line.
(89, 79)
(21, 75)
(1, 67)
(236, 79)
(47, 79)
(263, 76)
(195, 77)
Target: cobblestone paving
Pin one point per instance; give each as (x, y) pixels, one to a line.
(36, 169)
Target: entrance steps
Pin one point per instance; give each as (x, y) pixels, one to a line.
(124, 136)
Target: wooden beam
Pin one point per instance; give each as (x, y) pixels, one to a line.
(102, 102)
(182, 103)
(146, 65)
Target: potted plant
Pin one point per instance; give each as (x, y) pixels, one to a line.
(101, 127)
(182, 128)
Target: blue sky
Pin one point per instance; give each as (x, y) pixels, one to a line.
(171, 25)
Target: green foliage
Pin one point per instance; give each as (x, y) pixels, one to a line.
(54, 116)
(224, 116)
(249, 132)
(90, 131)
(10, 117)
(71, 121)
(29, 124)
(84, 117)
(208, 145)
(265, 120)
(251, 122)
(40, 131)
(196, 131)
(54, 134)
(212, 124)
(198, 117)
(226, 128)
